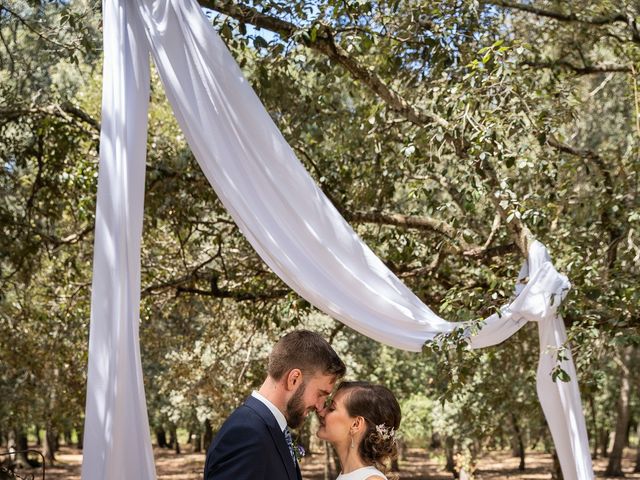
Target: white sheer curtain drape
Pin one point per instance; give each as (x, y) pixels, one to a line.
(282, 212)
(116, 434)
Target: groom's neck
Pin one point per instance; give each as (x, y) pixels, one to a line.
(275, 392)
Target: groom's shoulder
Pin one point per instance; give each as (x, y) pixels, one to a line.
(249, 416)
(244, 434)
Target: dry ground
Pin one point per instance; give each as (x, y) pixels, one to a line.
(419, 465)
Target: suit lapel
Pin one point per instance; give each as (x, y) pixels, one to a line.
(276, 434)
(283, 449)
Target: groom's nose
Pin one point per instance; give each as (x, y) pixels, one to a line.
(320, 412)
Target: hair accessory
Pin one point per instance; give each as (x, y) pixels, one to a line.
(385, 432)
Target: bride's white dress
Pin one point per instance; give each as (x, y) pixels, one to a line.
(361, 474)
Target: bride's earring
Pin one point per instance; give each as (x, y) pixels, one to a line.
(353, 445)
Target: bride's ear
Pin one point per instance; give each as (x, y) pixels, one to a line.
(358, 424)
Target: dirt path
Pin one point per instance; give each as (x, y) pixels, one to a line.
(419, 465)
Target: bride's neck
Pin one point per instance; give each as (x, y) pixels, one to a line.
(349, 459)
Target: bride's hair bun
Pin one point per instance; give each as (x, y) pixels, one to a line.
(381, 411)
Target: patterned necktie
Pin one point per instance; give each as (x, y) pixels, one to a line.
(287, 437)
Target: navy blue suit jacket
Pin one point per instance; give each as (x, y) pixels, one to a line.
(250, 446)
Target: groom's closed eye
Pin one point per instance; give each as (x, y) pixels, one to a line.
(323, 394)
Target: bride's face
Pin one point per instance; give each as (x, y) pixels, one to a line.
(335, 422)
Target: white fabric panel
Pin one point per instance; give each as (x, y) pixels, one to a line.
(275, 202)
(561, 402)
(285, 216)
(537, 301)
(116, 432)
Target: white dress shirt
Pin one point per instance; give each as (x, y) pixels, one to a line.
(282, 422)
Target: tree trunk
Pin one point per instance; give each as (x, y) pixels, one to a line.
(337, 466)
(449, 445)
(197, 442)
(436, 441)
(68, 440)
(518, 442)
(37, 433)
(207, 438)
(501, 445)
(161, 438)
(51, 434)
(329, 468)
(637, 468)
(173, 439)
(556, 473)
(614, 467)
(594, 431)
(303, 438)
(17, 441)
(627, 434)
(21, 440)
(80, 437)
(11, 445)
(604, 442)
(50, 445)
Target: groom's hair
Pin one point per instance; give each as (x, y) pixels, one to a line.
(307, 351)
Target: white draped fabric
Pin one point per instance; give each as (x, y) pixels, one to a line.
(116, 426)
(282, 212)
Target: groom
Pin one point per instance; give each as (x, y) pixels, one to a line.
(254, 442)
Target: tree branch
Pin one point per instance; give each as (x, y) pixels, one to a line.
(184, 284)
(65, 111)
(32, 29)
(408, 221)
(428, 270)
(563, 17)
(325, 43)
(238, 295)
(80, 114)
(628, 20)
(522, 235)
(587, 155)
(614, 226)
(585, 70)
(53, 240)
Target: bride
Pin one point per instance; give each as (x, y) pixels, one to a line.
(361, 421)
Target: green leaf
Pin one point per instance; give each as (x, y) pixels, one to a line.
(260, 42)
(225, 31)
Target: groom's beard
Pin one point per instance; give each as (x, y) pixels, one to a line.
(295, 410)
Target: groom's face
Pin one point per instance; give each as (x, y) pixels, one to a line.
(309, 396)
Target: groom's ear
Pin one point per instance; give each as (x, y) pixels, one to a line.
(294, 378)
